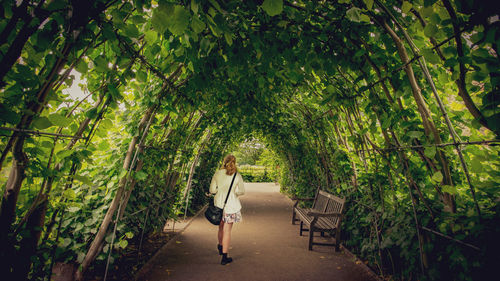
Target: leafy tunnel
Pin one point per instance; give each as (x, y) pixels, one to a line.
(393, 105)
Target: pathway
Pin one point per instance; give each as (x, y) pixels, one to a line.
(265, 246)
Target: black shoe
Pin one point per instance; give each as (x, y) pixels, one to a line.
(225, 260)
(219, 247)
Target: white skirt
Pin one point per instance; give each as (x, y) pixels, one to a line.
(231, 218)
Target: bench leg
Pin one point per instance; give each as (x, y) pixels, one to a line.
(311, 235)
(337, 240)
(293, 217)
(301, 224)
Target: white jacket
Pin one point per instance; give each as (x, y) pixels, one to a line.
(220, 185)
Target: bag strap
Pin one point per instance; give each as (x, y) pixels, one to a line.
(227, 196)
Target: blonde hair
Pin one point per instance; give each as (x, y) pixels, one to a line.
(230, 164)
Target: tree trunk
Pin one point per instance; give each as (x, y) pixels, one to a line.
(430, 128)
(15, 49)
(462, 88)
(99, 238)
(29, 242)
(18, 13)
(36, 220)
(34, 107)
(7, 215)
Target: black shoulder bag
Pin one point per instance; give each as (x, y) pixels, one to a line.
(214, 213)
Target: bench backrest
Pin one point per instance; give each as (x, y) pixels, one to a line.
(320, 203)
(334, 205)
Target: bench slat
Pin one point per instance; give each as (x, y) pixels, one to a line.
(321, 204)
(331, 196)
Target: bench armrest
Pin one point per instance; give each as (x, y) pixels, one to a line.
(297, 200)
(302, 199)
(318, 214)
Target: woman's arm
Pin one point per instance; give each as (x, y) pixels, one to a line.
(213, 185)
(240, 188)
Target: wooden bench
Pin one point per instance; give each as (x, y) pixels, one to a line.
(324, 216)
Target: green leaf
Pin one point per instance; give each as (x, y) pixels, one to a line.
(430, 30)
(369, 4)
(42, 123)
(430, 56)
(123, 173)
(56, 5)
(216, 6)
(113, 90)
(430, 151)
(414, 134)
(405, 8)
(101, 64)
(330, 89)
(215, 30)
(73, 209)
(449, 189)
(82, 67)
(437, 177)
(179, 51)
(228, 38)
(178, 20)
(64, 153)
(476, 166)
(386, 123)
(103, 146)
(47, 144)
(129, 235)
(138, 19)
(131, 31)
(8, 115)
(107, 31)
(106, 123)
(66, 242)
(451, 62)
(355, 14)
(160, 16)
(69, 194)
(364, 18)
(141, 76)
(426, 11)
(273, 7)
(150, 36)
(92, 114)
(141, 175)
(83, 179)
(191, 66)
(194, 6)
(59, 120)
(197, 25)
(123, 244)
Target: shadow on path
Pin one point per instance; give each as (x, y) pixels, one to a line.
(265, 246)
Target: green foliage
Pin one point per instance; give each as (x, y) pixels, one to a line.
(320, 85)
(249, 152)
(273, 7)
(256, 174)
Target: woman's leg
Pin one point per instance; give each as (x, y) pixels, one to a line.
(221, 232)
(226, 239)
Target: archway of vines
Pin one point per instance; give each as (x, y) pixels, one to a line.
(391, 104)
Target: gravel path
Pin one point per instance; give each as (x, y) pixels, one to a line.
(265, 246)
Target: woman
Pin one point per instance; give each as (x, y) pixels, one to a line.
(220, 185)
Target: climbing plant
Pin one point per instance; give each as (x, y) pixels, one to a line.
(393, 105)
